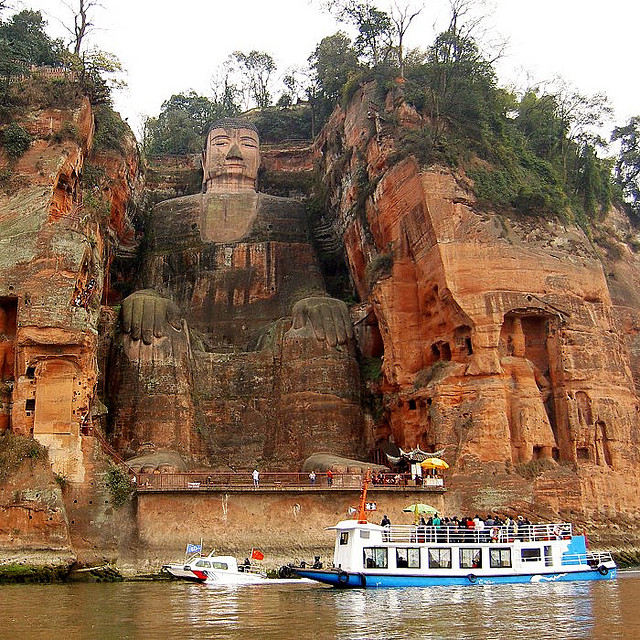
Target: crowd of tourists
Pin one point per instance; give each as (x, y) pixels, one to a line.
(477, 529)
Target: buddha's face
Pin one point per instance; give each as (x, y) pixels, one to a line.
(231, 159)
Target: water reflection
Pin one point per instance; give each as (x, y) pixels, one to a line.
(302, 610)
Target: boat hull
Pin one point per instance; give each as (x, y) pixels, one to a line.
(360, 580)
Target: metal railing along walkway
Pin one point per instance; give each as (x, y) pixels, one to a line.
(155, 482)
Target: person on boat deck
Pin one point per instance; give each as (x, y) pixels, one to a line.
(256, 478)
(329, 477)
(385, 521)
(312, 477)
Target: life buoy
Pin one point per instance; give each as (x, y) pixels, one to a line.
(343, 577)
(602, 570)
(495, 533)
(472, 578)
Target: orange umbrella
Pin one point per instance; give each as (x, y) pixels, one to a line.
(434, 463)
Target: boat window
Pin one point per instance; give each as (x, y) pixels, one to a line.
(499, 558)
(470, 558)
(220, 565)
(548, 556)
(375, 558)
(408, 558)
(344, 537)
(530, 555)
(440, 558)
(203, 563)
(364, 534)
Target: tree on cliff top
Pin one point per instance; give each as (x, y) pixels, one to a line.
(24, 42)
(181, 125)
(82, 22)
(257, 68)
(627, 170)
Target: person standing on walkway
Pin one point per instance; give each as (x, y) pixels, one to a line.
(256, 478)
(312, 477)
(329, 477)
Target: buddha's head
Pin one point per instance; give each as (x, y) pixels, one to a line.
(231, 157)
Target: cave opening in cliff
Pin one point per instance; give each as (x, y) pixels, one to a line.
(8, 326)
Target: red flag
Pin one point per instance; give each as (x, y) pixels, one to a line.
(256, 554)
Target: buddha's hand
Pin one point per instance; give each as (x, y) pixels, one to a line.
(147, 314)
(328, 317)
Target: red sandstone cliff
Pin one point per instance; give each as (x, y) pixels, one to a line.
(58, 239)
(501, 339)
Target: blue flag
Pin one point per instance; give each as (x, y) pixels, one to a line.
(194, 548)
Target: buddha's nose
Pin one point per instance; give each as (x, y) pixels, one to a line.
(234, 153)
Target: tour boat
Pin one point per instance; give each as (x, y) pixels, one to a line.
(214, 569)
(370, 555)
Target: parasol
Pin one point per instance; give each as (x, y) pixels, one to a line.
(434, 463)
(420, 508)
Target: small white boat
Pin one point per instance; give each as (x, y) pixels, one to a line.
(213, 569)
(369, 555)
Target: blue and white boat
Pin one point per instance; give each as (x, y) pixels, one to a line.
(368, 555)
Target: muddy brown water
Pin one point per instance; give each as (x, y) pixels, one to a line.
(149, 610)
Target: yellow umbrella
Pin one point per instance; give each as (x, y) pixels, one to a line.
(434, 463)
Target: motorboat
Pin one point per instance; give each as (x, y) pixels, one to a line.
(215, 569)
(370, 555)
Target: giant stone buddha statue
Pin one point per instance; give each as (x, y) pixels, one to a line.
(231, 352)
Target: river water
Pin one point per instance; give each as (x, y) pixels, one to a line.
(150, 610)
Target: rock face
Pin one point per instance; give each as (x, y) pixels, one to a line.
(57, 242)
(499, 338)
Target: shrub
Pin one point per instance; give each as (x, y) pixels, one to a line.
(118, 484)
(371, 369)
(14, 450)
(111, 130)
(378, 269)
(68, 131)
(16, 140)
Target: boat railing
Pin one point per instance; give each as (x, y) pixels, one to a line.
(592, 558)
(500, 534)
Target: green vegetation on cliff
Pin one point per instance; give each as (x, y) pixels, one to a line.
(15, 450)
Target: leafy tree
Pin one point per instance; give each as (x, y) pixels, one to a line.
(225, 90)
(98, 74)
(375, 39)
(28, 42)
(627, 168)
(258, 67)
(333, 62)
(540, 123)
(24, 42)
(181, 125)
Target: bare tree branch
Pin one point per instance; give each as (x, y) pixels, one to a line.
(82, 21)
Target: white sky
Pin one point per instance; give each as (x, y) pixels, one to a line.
(168, 47)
